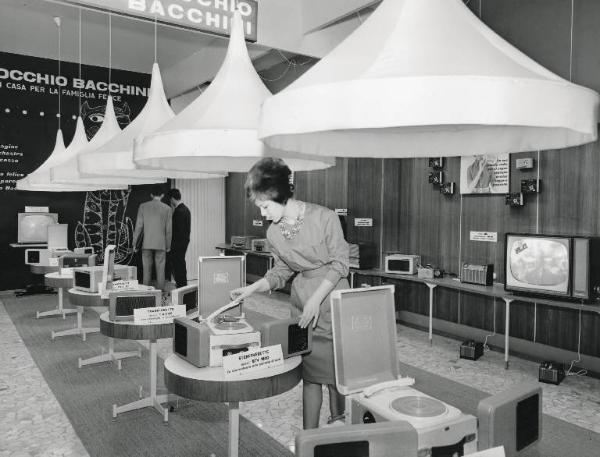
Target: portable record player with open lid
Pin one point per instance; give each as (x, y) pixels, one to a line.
(225, 324)
(366, 369)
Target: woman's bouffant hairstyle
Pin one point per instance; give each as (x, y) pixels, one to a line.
(269, 179)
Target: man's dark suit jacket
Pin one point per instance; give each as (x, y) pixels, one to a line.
(182, 221)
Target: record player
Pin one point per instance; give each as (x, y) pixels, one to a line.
(363, 324)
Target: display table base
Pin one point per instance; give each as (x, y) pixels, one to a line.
(234, 428)
(154, 400)
(58, 311)
(110, 356)
(79, 330)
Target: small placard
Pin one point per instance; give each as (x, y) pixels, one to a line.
(363, 222)
(257, 222)
(253, 360)
(66, 272)
(341, 211)
(123, 284)
(53, 262)
(492, 237)
(158, 315)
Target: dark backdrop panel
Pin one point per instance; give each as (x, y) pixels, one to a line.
(28, 126)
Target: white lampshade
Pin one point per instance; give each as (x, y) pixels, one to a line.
(218, 130)
(115, 157)
(427, 78)
(67, 172)
(39, 180)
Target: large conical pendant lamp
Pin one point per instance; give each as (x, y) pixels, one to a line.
(427, 78)
(68, 171)
(218, 130)
(115, 157)
(39, 180)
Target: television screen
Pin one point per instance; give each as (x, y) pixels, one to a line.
(539, 264)
(33, 227)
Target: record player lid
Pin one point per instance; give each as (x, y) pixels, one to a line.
(364, 337)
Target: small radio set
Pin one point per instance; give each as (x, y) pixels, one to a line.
(260, 245)
(551, 372)
(471, 350)
(122, 303)
(88, 279)
(477, 274)
(73, 260)
(37, 257)
(242, 242)
(404, 264)
(429, 272)
(186, 295)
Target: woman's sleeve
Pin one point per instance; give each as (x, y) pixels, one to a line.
(339, 254)
(278, 276)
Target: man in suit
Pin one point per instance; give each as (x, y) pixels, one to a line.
(182, 221)
(154, 227)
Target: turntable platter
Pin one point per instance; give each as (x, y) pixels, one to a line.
(228, 326)
(418, 406)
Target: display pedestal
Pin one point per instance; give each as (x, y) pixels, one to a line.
(87, 299)
(210, 384)
(152, 332)
(60, 282)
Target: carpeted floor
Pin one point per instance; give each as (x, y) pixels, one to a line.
(87, 395)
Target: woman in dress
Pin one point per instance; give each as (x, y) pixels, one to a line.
(306, 239)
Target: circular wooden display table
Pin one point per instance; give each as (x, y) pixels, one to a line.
(43, 269)
(60, 282)
(129, 330)
(88, 299)
(210, 384)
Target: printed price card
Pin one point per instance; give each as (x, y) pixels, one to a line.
(492, 237)
(253, 360)
(341, 211)
(158, 315)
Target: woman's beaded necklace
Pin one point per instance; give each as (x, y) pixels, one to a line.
(289, 231)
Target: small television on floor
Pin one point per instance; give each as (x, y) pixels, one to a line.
(33, 227)
(553, 265)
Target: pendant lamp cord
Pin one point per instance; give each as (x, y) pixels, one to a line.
(57, 20)
(79, 38)
(571, 44)
(109, 50)
(155, 34)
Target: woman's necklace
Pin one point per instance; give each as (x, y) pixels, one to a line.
(289, 231)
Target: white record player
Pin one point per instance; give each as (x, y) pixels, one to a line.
(225, 324)
(366, 366)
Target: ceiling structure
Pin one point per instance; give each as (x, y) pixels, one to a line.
(188, 58)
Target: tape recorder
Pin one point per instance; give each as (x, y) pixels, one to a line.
(242, 242)
(364, 320)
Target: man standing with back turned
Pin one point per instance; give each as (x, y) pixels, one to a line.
(154, 224)
(182, 221)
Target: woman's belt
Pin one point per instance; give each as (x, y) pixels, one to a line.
(321, 271)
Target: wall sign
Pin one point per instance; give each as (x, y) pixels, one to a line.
(341, 211)
(257, 222)
(484, 236)
(363, 222)
(210, 16)
(484, 174)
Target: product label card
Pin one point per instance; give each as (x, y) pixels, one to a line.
(341, 211)
(492, 237)
(53, 262)
(158, 315)
(122, 284)
(363, 222)
(253, 360)
(66, 272)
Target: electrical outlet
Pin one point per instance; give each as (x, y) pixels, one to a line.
(524, 164)
(531, 186)
(515, 199)
(436, 178)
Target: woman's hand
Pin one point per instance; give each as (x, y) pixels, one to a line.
(311, 311)
(240, 293)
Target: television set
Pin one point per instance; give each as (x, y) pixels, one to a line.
(553, 265)
(33, 227)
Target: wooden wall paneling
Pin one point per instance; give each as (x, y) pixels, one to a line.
(410, 296)
(570, 184)
(409, 198)
(522, 319)
(478, 311)
(364, 199)
(586, 35)
(235, 205)
(445, 304)
(252, 213)
(394, 215)
(336, 185)
(558, 327)
(590, 343)
(310, 186)
(427, 214)
(448, 219)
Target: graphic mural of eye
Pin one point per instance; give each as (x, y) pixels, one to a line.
(93, 116)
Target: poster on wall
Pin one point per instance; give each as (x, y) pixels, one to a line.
(484, 174)
(30, 88)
